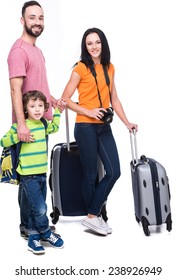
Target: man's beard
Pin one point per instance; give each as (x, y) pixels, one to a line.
(34, 34)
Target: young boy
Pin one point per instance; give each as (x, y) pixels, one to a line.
(32, 168)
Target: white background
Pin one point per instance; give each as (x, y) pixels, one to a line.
(142, 38)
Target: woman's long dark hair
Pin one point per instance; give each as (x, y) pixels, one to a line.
(105, 53)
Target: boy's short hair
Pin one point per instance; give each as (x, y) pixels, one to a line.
(34, 95)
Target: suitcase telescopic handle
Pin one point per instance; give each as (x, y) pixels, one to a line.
(134, 150)
(67, 129)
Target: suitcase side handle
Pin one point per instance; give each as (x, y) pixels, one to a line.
(133, 144)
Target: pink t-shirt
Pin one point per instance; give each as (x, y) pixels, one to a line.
(27, 61)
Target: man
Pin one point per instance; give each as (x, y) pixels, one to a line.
(27, 71)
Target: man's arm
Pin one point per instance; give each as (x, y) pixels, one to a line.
(16, 96)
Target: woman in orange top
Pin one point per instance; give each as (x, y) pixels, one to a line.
(93, 77)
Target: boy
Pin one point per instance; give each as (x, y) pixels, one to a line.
(32, 168)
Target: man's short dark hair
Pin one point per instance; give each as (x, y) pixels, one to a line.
(28, 4)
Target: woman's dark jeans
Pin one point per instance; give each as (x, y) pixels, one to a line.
(94, 140)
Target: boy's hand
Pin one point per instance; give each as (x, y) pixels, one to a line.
(61, 104)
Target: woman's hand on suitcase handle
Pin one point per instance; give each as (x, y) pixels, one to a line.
(131, 127)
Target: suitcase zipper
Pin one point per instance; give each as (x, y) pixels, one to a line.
(156, 191)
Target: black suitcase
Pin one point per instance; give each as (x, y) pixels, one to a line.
(65, 179)
(151, 190)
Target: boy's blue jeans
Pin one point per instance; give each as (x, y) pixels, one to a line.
(23, 204)
(34, 190)
(94, 139)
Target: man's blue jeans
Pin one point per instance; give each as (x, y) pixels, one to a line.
(35, 189)
(94, 139)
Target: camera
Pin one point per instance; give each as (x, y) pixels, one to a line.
(108, 116)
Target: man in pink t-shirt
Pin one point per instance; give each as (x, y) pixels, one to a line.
(27, 71)
(26, 63)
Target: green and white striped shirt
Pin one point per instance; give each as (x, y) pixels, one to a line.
(33, 155)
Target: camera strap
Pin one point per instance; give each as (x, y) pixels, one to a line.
(92, 68)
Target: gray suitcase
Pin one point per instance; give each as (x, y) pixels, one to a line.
(151, 190)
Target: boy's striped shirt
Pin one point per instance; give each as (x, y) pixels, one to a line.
(33, 155)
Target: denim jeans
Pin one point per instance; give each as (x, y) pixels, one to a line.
(23, 204)
(94, 140)
(35, 189)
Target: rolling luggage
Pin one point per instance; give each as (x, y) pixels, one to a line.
(65, 179)
(151, 190)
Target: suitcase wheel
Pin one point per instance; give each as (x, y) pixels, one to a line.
(169, 227)
(145, 225)
(169, 223)
(104, 212)
(55, 215)
(146, 231)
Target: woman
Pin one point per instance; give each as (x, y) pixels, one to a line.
(93, 77)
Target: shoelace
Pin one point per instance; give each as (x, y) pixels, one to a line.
(52, 238)
(37, 243)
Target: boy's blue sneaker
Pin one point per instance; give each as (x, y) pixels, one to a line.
(53, 239)
(34, 244)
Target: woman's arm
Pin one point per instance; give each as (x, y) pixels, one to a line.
(118, 108)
